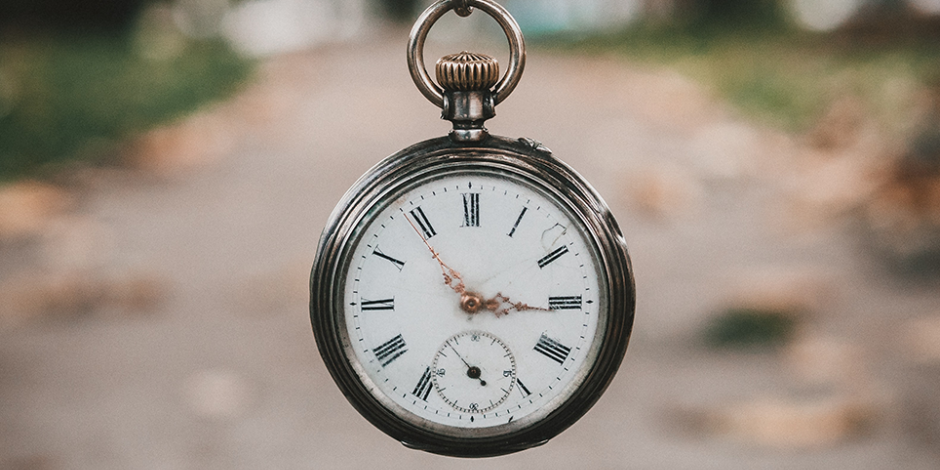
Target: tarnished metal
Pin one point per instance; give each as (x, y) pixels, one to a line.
(468, 111)
(470, 302)
(463, 8)
(468, 102)
(467, 71)
(515, 160)
(434, 92)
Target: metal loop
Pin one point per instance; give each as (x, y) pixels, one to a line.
(463, 8)
(419, 33)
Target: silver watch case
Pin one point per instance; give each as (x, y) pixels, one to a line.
(523, 159)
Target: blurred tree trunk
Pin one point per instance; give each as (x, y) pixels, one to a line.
(398, 10)
(889, 20)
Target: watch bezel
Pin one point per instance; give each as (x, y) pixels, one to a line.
(539, 169)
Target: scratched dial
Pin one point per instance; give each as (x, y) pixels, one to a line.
(473, 254)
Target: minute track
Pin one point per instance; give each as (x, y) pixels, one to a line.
(508, 207)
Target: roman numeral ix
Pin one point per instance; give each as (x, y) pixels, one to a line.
(549, 258)
(552, 349)
(390, 350)
(387, 304)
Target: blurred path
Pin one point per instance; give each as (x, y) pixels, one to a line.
(224, 374)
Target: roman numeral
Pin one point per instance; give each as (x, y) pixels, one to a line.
(549, 258)
(471, 210)
(522, 388)
(423, 389)
(423, 222)
(552, 349)
(518, 219)
(390, 350)
(564, 303)
(387, 304)
(398, 264)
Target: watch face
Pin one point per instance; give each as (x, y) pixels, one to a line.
(472, 299)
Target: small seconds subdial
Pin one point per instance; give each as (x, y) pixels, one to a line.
(474, 371)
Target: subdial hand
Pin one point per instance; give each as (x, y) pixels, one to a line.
(473, 372)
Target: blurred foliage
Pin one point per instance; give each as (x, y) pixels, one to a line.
(778, 73)
(729, 13)
(74, 96)
(59, 15)
(403, 11)
(749, 328)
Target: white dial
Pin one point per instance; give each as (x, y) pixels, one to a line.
(473, 254)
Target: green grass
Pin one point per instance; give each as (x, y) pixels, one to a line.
(66, 98)
(745, 328)
(780, 75)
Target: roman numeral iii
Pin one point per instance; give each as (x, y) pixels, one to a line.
(471, 209)
(390, 350)
(564, 303)
(552, 349)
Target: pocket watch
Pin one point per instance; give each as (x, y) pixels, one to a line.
(471, 295)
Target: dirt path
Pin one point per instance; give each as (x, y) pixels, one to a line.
(215, 366)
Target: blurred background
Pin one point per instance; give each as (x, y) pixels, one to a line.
(166, 168)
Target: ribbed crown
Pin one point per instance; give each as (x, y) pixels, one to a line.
(467, 72)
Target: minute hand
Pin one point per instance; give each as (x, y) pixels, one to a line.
(472, 302)
(452, 278)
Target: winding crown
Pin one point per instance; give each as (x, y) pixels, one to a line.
(467, 72)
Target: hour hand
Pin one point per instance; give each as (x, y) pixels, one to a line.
(499, 304)
(502, 305)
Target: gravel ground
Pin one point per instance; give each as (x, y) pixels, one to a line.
(207, 360)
